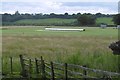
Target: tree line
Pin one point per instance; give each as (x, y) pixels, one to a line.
(82, 19)
(6, 17)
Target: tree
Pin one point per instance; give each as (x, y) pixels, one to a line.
(116, 19)
(52, 15)
(78, 14)
(66, 13)
(6, 17)
(98, 15)
(86, 20)
(17, 13)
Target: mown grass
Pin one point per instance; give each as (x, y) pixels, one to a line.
(84, 48)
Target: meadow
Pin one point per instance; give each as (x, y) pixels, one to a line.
(89, 47)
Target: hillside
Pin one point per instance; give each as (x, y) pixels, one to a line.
(57, 22)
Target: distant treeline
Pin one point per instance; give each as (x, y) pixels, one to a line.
(9, 19)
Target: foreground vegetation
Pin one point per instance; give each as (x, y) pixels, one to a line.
(84, 48)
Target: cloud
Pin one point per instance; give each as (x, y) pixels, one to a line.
(92, 7)
(86, 9)
(36, 7)
(53, 4)
(59, 0)
(59, 7)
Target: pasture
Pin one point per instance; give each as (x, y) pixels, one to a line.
(107, 20)
(84, 48)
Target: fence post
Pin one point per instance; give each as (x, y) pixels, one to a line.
(23, 66)
(30, 68)
(11, 65)
(52, 71)
(2, 63)
(36, 64)
(43, 69)
(85, 72)
(66, 74)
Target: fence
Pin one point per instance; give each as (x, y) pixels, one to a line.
(39, 68)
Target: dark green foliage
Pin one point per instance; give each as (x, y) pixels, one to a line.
(115, 47)
(116, 19)
(98, 15)
(11, 19)
(86, 20)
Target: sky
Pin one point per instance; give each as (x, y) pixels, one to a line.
(59, 6)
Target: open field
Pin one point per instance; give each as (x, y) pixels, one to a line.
(50, 21)
(106, 20)
(59, 21)
(89, 47)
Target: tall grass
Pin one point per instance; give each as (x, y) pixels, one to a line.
(84, 48)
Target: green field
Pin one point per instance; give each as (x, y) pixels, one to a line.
(59, 21)
(50, 21)
(106, 20)
(84, 48)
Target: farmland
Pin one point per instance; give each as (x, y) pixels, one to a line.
(107, 20)
(84, 48)
(50, 21)
(58, 21)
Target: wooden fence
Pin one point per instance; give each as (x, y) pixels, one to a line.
(39, 68)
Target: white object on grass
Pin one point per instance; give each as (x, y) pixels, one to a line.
(63, 29)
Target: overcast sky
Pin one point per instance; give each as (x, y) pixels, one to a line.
(60, 6)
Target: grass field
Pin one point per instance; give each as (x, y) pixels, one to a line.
(106, 20)
(50, 21)
(84, 48)
(58, 21)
